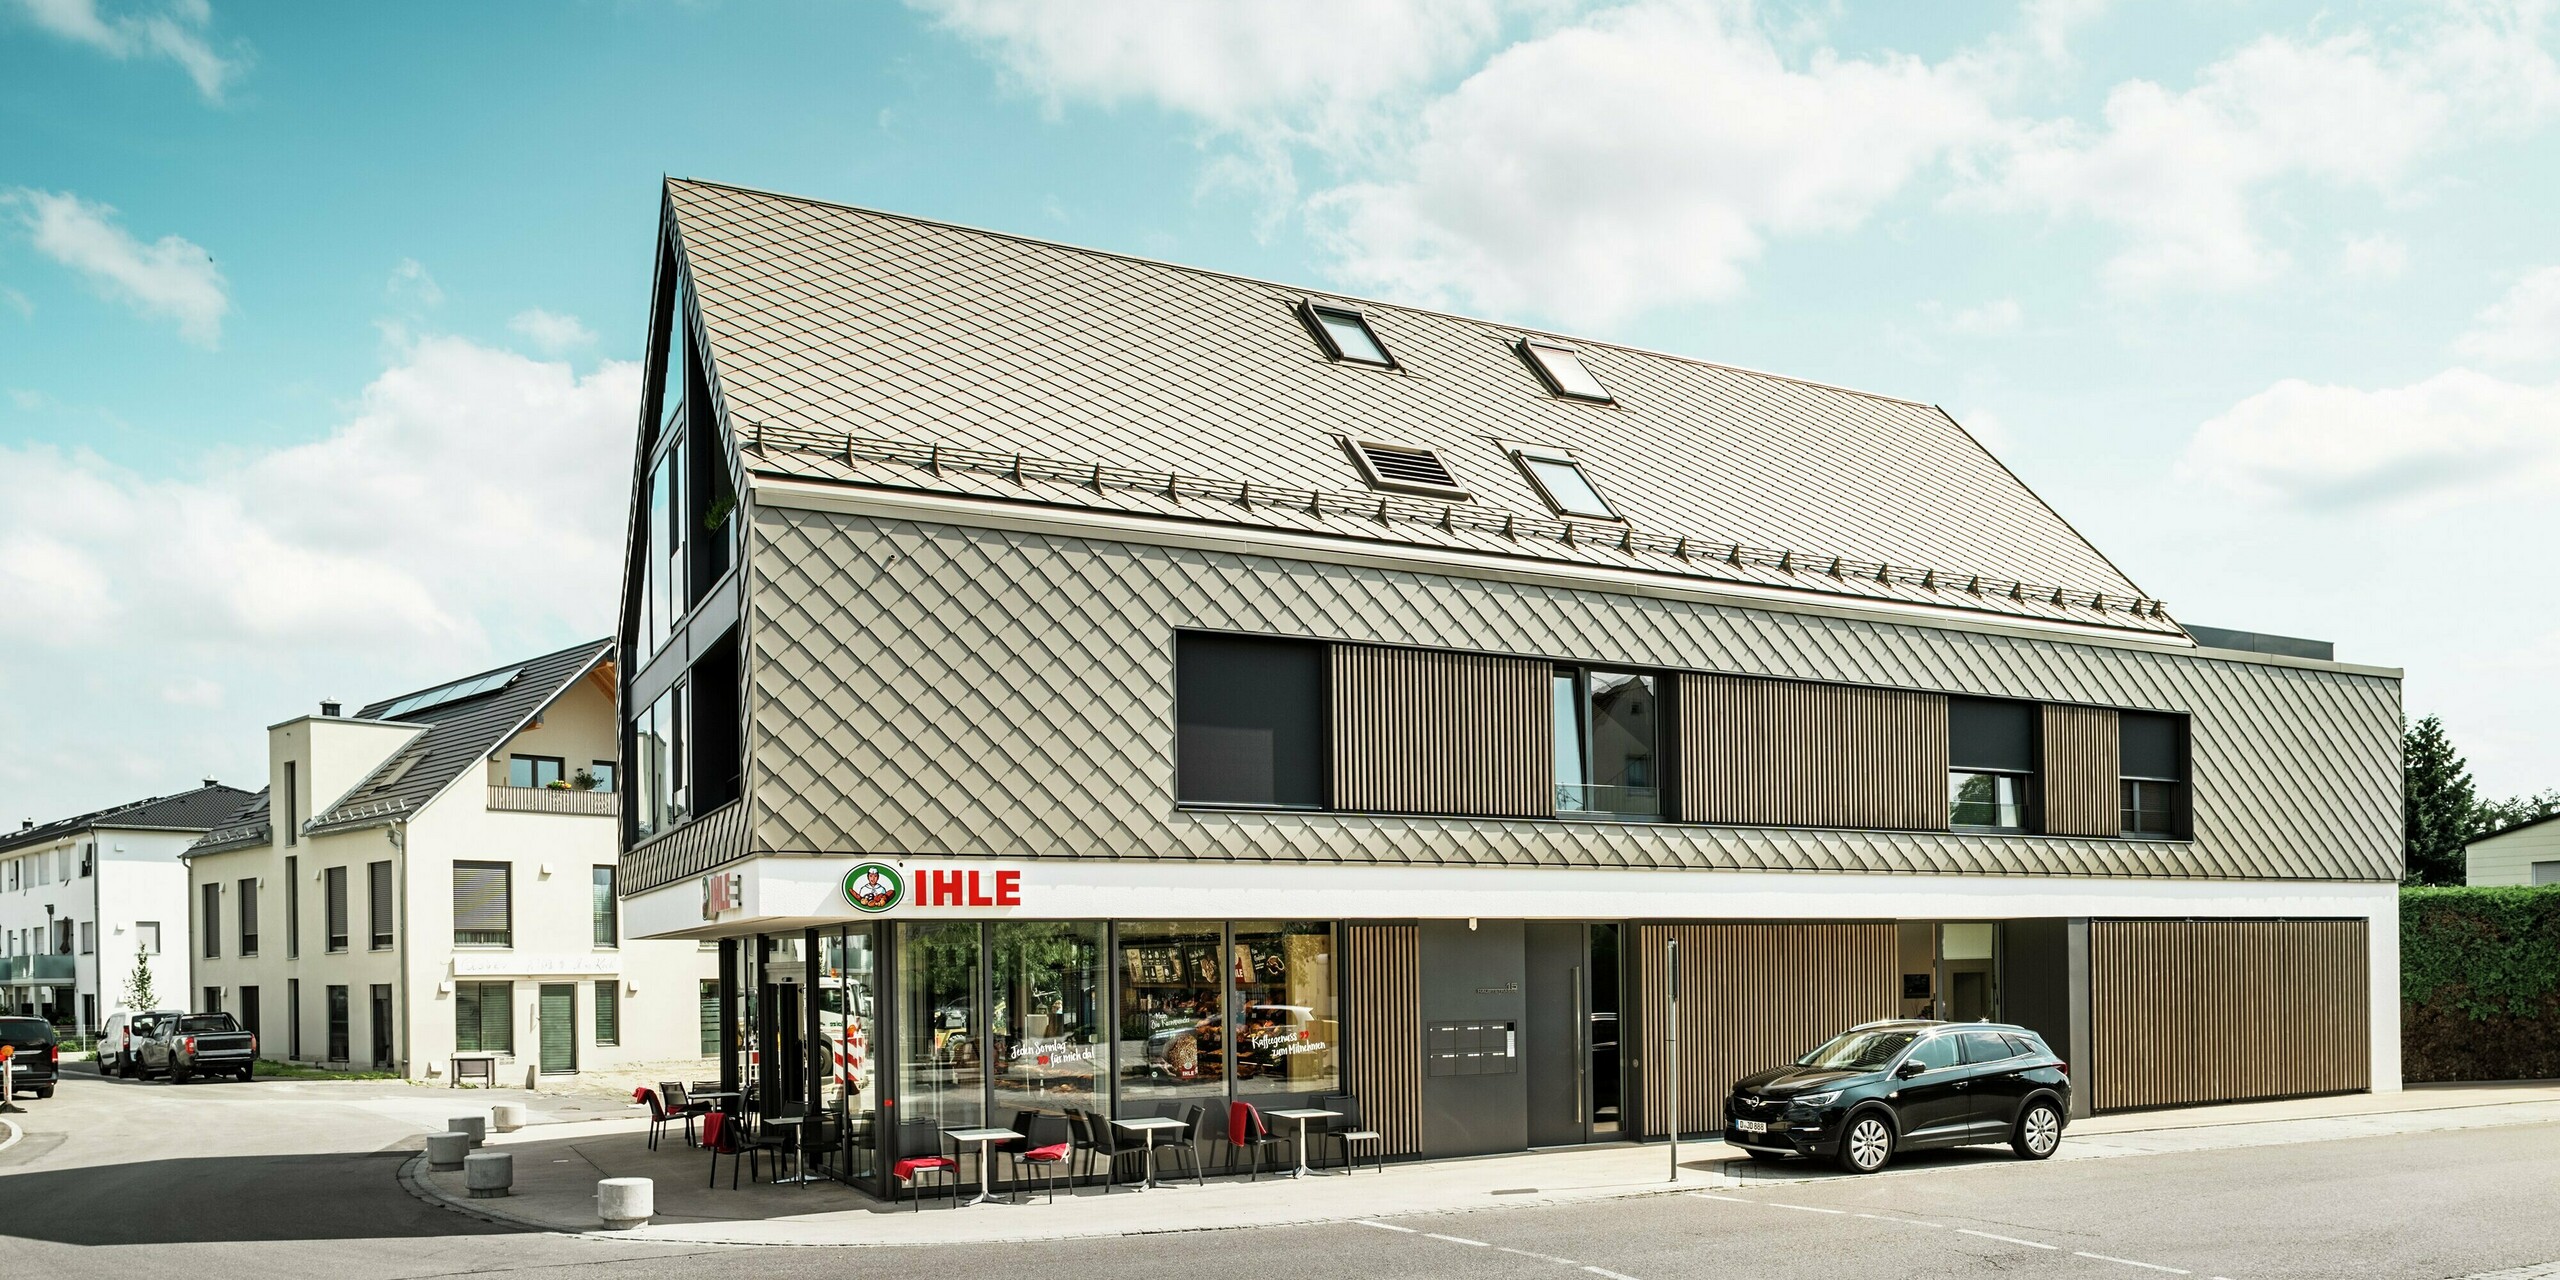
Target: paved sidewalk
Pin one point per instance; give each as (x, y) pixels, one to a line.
(557, 1166)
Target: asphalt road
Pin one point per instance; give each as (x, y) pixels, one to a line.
(284, 1180)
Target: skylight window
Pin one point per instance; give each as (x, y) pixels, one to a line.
(1561, 368)
(1561, 482)
(1410, 468)
(455, 692)
(1347, 335)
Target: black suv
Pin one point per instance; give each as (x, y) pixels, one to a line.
(1903, 1086)
(35, 1062)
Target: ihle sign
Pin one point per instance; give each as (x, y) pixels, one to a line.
(874, 887)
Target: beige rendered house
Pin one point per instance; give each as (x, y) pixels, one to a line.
(1058, 679)
(435, 876)
(2526, 853)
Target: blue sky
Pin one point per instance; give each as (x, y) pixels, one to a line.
(316, 324)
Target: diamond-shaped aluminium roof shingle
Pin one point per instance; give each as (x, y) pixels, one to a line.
(870, 349)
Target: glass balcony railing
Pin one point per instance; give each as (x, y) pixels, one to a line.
(1601, 801)
(51, 969)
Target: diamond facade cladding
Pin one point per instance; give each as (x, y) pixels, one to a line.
(945, 689)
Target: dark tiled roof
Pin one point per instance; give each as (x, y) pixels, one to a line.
(196, 810)
(245, 826)
(864, 348)
(458, 736)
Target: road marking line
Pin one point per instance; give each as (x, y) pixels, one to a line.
(2150, 1266)
(1709, 1195)
(1803, 1208)
(1434, 1235)
(2006, 1239)
(1612, 1275)
(1386, 1226)
(1908, 1222)
(1542, 1257)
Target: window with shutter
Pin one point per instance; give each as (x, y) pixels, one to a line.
(609, 1011)
(212, 920)
(482, 912)
(378, 889)
(483, 1020)
(249, 916)
(608, 925)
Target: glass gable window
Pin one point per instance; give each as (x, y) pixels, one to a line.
(1250, 721)
(1347, 335)
(1606, 743)
(1172, 1013)
(1287, 1030)
(1561, 482)
(2153, 750)
(1561, 367)
(1991, 756)
(1048, 1016)
(535, 771)
(658, 754)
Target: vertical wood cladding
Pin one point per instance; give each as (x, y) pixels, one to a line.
(1784, 753)
(1382, 1025)
(2082, 792)
(1752, 996)
(2185, 1011)
(1426, 731)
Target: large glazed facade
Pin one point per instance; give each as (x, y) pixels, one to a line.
(1082, 682)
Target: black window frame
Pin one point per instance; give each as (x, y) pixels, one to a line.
(605, 914)
(292, 907)
(2181, 787)
(381, 905)
(1664, 728)
(338, 915)
(2029, 773)
(1184, 654)
(212, 920)
(247, 911)
(559, 771)
(507, 874)
(1311, 313)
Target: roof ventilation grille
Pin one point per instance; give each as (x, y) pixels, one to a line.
(1406, 467)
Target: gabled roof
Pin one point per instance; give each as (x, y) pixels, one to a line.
(456, 736)
(869, 349)
(194, 810)
(244, 827)
(2509, 829)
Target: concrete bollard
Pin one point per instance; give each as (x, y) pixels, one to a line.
(445, 1151)
(507, 1117)
(476, 1126)
(488, 1174)
(625, 1203)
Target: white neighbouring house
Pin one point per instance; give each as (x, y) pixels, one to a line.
(81, 899)
(434, 876)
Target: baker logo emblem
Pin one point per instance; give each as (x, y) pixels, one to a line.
(874, 886)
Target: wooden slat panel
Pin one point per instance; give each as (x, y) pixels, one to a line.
(2081, 768)
(1429, 731)
(1382, 1030)
(1787, 753)
(1752, 996)
(2185, 1011)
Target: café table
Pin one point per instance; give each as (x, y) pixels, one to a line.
(1149, 1127)
(800, 1153)
(1302, 1115)
(986, 1140)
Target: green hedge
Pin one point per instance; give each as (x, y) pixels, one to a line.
(2480, 983)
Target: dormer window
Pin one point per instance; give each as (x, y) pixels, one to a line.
(1346, 335)
(1405, 468)
(1560, 367)
(1559, 478)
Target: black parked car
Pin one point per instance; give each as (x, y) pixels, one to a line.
(37, 1063)
(1904, 1086)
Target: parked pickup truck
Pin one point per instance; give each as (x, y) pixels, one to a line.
(199, 1044)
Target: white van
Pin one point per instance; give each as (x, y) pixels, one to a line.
(120, 1040)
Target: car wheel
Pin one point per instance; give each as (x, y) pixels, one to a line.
(178, 1075)
(2039, 1131)
(1868, 1146)
(125, 1067)
(1764, 1157)
(45, 1092)
(248, 1074)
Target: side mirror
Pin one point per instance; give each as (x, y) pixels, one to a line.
(1910, 1067)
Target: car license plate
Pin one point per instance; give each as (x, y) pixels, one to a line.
(1751, 1126)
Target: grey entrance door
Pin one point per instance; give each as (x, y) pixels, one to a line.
(1556, 1055)
(559, 1027)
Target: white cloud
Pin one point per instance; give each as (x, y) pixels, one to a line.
(1228, 64)
(176, 32)
(2380, 256)
(192, 691)
(2180, 174)
(469, 481)
(171, 277)
(2457, 436)
(412, 284)
(2522, 328)
(2000, 315)
(550, 330)
(1705, 139)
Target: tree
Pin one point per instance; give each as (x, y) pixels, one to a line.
(2498, 815)
(137, 985)
(2442, 804)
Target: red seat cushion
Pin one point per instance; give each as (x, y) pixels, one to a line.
(907, 1169)
(1054, 1151)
